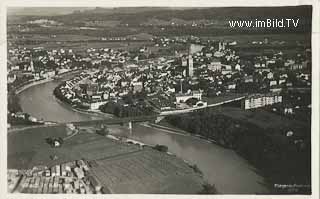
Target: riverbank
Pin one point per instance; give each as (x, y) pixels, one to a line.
(38, 82)
(169, 129)
(220, 166)
(120, 167)
(261, 138)
(14, 105)
(21, 89)
(83, 111)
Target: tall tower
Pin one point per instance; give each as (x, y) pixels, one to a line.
(190, 64)
(31, 64)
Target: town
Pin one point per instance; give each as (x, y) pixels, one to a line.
(130, 84)
(158, 100)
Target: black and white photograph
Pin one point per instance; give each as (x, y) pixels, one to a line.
(212, 100)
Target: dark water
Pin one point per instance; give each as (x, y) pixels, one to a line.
(40, 102)
(230, 173)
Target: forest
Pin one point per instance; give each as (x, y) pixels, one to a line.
(282, 158)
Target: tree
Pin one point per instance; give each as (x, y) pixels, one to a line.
(208, 189)
(103, 131)
(49, 141)
(192, 101)
(161, 148)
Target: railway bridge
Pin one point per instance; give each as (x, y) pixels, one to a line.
(152, 118)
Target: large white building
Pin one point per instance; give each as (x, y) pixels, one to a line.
(257, 101)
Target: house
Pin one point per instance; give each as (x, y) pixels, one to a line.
(215, 66)
(231, 86)
(137, 87)
(225, 71)
(79, 172)
(182, 98)
(56, 143)
(12, 78)
(282, 81)
(237, 67)
(270, 75)
(273, 83)
(227, 67)
(96, 105)
(248, 79)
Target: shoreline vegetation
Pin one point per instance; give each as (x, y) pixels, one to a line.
(17, 118)
(140, 150)
(280, 158)
(268, 146)
(110, 109)
(207, 187)
(84, 111)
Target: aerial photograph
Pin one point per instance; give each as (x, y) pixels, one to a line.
(159, 100)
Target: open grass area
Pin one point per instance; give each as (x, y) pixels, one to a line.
(27, 148)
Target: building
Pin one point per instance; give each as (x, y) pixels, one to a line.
(256, 101)
(92, 89)
(182, 98)
(215, 66)
(184, 62)
(31, 64)
(137, 87)
(190, 66)
(222, 46)
(270, 75)
(12, 78)
(248, 79)
(79, 172)
(96, 105)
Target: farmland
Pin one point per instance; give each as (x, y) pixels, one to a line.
(120, 167)
(79, 46)
(146, 171)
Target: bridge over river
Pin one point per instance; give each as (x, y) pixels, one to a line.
(223, 167)
(157, 117)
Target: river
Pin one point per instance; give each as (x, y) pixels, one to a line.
(230, 173)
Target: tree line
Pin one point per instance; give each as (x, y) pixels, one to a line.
(283, 159)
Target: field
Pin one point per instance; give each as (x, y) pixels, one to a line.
(120, 167)
(243, 39)
(29, 148)
(24, 147)
(81, 46)
(146, 171)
